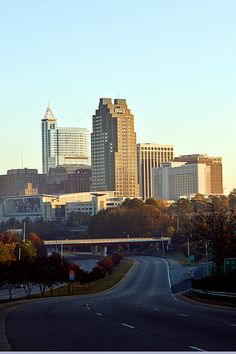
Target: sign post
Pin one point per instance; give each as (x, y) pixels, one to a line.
(71, 275)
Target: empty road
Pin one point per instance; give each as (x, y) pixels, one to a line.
(140, 314)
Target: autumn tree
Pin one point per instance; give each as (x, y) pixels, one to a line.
(107, 264)
(232, 199)
(158, 204)
(38, 244)
(132, 203)
(213, 229)
(9, 237)
(7, 252)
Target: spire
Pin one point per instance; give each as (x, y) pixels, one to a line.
(49, 115)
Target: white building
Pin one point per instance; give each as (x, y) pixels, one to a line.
(55, 207)
(150, 156)
(174, 180)
(63, 146)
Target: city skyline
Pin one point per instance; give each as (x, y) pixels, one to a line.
(174, 63)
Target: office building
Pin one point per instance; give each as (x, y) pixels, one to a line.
(22, 181)
(113, 149)
(150, 156)
(55, 207)
(62, 146)
(175, 180)
(80, 180)
(215, 165)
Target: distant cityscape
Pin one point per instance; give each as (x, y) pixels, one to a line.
(72, 179)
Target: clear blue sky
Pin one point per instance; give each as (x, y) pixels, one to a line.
(173, 60)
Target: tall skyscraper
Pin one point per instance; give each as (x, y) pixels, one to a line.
(113, 149)
(150, 156)
(215, 164)
(62, 146)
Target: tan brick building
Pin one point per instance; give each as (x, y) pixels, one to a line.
(113, 149)
(150, 156)
(215, 164)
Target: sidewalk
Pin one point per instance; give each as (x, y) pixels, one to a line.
(180, 276)
(177, 271)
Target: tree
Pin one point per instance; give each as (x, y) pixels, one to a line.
(38, 244)
(160, 205)
(78, 218)
(218, 202)
(9, 237)
(184, 206)
(96, 274)
(214, 230)
(107, 264)
(7, 252)
(165, 225)
(25, 250)
(132, 203)
(232, 199)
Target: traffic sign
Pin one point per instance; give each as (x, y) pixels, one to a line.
(71, 275)
(229, 265)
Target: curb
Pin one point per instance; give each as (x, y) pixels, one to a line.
(116, 285)
(5, 309)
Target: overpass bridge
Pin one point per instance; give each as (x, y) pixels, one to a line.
(102, 243)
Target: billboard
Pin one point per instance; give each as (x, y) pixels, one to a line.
(22, 206)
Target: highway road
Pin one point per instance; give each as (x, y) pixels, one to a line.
(140, 314)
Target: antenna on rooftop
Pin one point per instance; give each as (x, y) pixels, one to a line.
(22, 160)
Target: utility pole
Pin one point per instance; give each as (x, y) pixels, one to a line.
(188, 250)
(19, 250)
(61, 252)
(24, 232)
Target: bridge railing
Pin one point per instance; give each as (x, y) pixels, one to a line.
(105, 240)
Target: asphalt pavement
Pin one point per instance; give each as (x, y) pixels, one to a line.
(141, 314)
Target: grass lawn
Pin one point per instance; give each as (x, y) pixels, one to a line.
(211, 300)
(180, 258)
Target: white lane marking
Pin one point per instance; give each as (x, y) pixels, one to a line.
(168, 274)
(233, 324)
(98, 313)
(127, 325)
(196, 348)
(183, 315)
(156, 309)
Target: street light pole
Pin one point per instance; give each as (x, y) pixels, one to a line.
(24, 232)
(61, 252)
(163, 246)
(188, 250)
(206, 249)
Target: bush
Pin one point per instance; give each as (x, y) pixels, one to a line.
(225, 283)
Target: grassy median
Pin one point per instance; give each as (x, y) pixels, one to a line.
(74, 288)
(106, 283)
(103, 284)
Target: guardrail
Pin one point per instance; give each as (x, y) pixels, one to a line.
(215, 293)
